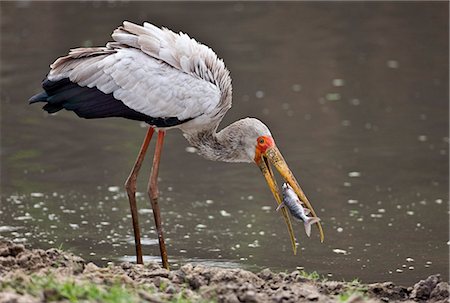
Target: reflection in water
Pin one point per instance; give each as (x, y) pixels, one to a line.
(354, 93)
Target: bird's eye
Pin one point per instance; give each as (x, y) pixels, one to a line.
(261, 141)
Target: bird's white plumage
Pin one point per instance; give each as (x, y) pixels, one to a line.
(153, 71)
(163, 75)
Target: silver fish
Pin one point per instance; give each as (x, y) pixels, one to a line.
(294, 205)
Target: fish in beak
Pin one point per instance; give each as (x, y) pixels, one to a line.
(266, 154)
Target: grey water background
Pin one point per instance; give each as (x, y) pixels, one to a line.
(356, 97)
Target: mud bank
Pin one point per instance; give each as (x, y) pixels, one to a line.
(36, 275)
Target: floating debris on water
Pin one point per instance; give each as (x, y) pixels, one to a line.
(438, 201)
(354, 174)
(7, 228)
(346, 123)
(200, 226)
(113, 189)
(340, 251)
(333, 96)
(224, 213)
(355, 102)
(27, 216)
(254, 244)
(74, 225)
(37, 195)
(296, 87)
(145, 211)
(144, 241)
(259, 94)
(409, 259)
(422, 138)
(266, 208)
(392, 64)
(339, 229)
(410, 213)
(338, 82)
(353, 212)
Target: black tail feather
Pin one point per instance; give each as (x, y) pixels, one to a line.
(41, 97)
(52, 108)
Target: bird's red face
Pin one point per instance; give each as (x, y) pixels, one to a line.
(262, 144)
(267, 153)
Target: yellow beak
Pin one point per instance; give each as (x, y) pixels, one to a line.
(274, 156)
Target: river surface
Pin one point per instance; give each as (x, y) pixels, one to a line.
(356, 97)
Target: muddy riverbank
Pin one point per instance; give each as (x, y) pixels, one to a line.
(36, 275)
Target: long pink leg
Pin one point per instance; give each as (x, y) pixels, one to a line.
(153, 194)
(130, 186)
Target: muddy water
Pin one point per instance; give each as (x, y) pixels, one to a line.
(356, 98)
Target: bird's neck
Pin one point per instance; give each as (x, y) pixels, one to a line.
(226, 145)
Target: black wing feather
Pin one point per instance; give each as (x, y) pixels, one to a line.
(91, 103)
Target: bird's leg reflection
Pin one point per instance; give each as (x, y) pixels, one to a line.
(130, 185)
(153, 194)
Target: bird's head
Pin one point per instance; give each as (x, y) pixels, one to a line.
(265, 153)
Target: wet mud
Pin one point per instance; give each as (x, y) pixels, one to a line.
(20, 266)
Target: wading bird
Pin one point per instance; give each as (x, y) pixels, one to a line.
(167, 80)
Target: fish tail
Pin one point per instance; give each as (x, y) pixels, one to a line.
(310, 221)
(280, 206)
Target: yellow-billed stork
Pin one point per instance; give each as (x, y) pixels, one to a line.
(167, 80)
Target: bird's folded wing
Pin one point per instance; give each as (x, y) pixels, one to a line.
(142, 82)
(178, 50)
